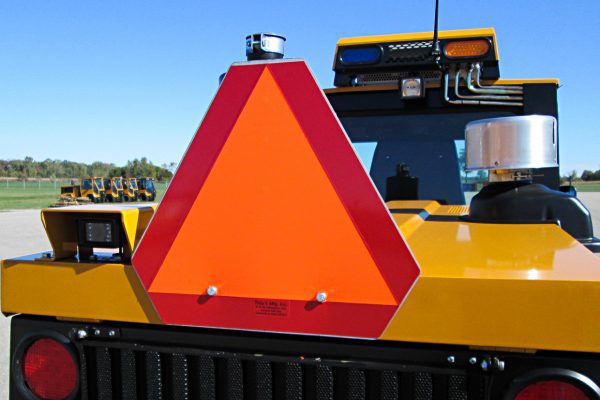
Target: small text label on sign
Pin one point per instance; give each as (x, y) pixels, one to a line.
(272, 308)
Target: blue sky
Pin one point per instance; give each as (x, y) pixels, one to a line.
(115, 80)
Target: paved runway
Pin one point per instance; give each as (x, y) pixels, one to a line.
(21, 233)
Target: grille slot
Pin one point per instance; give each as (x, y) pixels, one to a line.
(128, 374)
(138, 372)
(380, 78)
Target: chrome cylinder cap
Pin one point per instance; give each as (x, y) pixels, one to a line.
(510, 143)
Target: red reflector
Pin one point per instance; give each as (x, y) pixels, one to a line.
(49, 370)
(551, 390)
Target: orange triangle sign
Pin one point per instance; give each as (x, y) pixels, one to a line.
(270, 210)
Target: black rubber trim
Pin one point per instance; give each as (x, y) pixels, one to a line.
(465, 218)
(592, 244)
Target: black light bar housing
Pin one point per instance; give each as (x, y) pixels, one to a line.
(399, 58)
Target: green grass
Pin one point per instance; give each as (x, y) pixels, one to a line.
(587, 187)
(15, 195)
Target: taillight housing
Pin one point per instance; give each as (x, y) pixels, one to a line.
(551, 390)
(46, 368)
(553, 384)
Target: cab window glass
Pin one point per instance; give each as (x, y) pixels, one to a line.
(416, 156)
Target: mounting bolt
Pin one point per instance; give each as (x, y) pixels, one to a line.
(322, 297)
(112, 333)
(485, 365)
(81, 334)
(473, 360)
(498, 364)
(212, 291)
(451, 359)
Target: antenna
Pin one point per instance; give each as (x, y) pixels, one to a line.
(435, 45)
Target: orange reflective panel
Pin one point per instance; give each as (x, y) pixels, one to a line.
(248, 232)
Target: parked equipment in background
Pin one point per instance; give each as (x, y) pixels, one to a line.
(114, 189)
(130, 189)
(91, 188)
(70, 191)
(146, 189)
(70, 196)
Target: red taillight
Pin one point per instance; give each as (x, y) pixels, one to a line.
(49, 370)
(551, 390)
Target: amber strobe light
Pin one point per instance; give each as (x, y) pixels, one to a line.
(551, 390)
(466, 48)
(49, 370)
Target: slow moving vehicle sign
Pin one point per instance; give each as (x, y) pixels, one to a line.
(271, 223)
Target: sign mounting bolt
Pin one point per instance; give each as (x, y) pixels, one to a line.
(212, 291)
(82, 334)
(322, 297)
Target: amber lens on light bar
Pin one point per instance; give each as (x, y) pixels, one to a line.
(466, 48)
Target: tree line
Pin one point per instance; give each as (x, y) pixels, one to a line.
(60, 169)
(586, 175)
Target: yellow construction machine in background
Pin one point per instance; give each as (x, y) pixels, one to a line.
(114, 189)
(146, 188)
(90, 189)
(130, 189)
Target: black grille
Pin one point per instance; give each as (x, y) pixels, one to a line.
(121, 371)
(379, 78)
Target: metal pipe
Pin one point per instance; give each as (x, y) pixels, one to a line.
(474, 102)
(459, 74)
(489, 90)
(482, 86)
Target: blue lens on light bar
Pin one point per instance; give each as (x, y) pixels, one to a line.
(363, 55)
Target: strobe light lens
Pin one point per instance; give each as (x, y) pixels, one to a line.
(49, 370)
(412, 88)
(551, 390)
